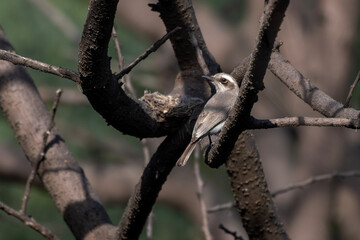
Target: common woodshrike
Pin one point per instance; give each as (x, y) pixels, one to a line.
(216, 110)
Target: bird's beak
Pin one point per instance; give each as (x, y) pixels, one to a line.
(208, 78)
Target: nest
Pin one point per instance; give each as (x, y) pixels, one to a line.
(167, 107)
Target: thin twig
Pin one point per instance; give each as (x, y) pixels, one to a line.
(233, 233)
(150, 50)
(221, 207)
(149, 226)
(301, 185)
(149, 223)
(43, 67)
(316, 179)
(28, 221)
(41, 157)
(127, 82)
(352, 87)
(200, 195)
(120, 57)
(303, 121)
(146, 151)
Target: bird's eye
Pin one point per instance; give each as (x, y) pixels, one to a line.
(223, 80)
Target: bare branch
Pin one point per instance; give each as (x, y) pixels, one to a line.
(146, 151)
(221, 207)
(199, 55)
(305, 90)
(182, 14)
(252, 83)
(236, 237)
(43, 67)
(317, 179)
(28, 221)
(200, 195)
(303, 121)
(119, 55)
(237, 148)
(352, 87)
(134, 117)
(149, 186)
(41, 157)
(148, 51)
(297, 186)
(60, 174)
(149, 226)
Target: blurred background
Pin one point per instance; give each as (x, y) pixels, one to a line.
(321, 39)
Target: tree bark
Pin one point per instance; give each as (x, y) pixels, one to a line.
(59, 172)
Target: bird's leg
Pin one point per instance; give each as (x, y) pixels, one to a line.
(210, 142)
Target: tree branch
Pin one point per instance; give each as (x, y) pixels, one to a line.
(41, 157)
(352, 88)
(144, 55)
(200, 195)
(254, 202)
(181, 13)
(130, 116)
(317, 179)
(252, 83)
(149, 186)
(61, 175)
(300, 185)
(236, 237)
(302, 121)
(305, 90)
(28, 221)
(188, 45)
(43, 67)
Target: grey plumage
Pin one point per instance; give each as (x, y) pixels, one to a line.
(216, 110)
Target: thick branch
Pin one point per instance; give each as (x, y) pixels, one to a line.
(188, 44)
(306, 91)
(249, 186)
(181, 13)
(60, 174)
(188, 82)
(105, 94)
(252, 197)
(147, 190)
(252, 83)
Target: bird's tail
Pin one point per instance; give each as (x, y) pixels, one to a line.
(186, 154)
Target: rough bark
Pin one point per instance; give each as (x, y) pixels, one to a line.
(252, 83)
(61, 175)
(162, 162)
(252, 197)
(130, 116)
(150, 184)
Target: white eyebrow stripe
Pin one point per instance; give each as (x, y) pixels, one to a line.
(228, 77)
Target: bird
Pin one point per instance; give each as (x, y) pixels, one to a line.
(215, 112)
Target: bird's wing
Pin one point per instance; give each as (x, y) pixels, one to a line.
(215, 112)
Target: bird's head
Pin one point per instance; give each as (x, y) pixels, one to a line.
(222, 82)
